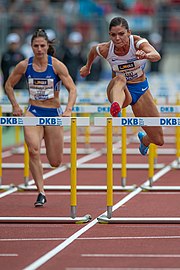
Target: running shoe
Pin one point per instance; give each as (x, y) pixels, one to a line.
(142, 148)
(41, 200)
(115, 109)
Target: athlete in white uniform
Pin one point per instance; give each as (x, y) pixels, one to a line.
(43, 73)
(127, 55)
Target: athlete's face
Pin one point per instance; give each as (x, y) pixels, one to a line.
(119, 35)
(40, 47)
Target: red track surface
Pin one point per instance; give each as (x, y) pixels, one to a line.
(92, 245)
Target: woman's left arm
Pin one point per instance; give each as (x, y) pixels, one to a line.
(146, 51)
(67, 81)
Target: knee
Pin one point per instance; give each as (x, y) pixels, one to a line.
(33, 151)
(119, 79)
(159, 140)
(56, 162)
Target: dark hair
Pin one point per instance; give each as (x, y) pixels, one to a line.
(118, 21)
(42, 33)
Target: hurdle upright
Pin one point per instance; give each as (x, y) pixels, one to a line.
(73, 122)
(152, 121)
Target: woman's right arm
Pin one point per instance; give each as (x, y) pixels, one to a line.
(102, 48)
(12, 80)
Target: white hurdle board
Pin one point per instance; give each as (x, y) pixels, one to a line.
(138, 121)
(43, 121)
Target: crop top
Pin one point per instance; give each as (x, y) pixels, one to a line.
(128, 64)
(42, 85)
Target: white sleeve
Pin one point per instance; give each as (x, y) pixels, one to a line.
(140, 42)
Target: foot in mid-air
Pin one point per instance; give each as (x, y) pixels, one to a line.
(115, 109)
(142, 148)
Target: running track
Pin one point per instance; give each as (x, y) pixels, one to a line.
(92, 245)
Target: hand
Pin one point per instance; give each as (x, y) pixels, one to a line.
(84, 71)
(17, 111)
(141, 54)
(67, 113)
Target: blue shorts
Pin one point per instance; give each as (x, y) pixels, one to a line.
(137, 90)
(44, 112)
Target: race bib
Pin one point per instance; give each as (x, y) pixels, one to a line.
(41, 89)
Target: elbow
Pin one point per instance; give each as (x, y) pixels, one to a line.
(5, 88)
(156, 58)
(159, 57)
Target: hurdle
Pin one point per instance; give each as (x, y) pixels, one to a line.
(152, 121)
(56, 121)
(151, 187)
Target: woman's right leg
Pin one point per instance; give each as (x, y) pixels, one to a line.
(118, 93)
(33, 138)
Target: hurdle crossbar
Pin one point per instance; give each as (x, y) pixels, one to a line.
(138, 220)
(129, 151)
(69, 220)
(78, 188)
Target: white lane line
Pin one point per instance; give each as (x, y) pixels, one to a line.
(35, 265)
(6, 154)
(8, 192)
(133, 255)
(91, 238)
(131, 237)
(162, 172)
(124, 268)
(39, 262)
(8, 255)
(33, 239)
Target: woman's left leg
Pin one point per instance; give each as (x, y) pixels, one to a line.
(54, 142)
(145, 107)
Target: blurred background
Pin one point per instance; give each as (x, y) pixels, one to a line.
(78, 24)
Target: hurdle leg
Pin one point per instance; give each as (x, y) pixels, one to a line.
(151, 164)
(87, 132)
(26, 165)
(109, 168)
(73, 167)
(17, 135)
(123, 154)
